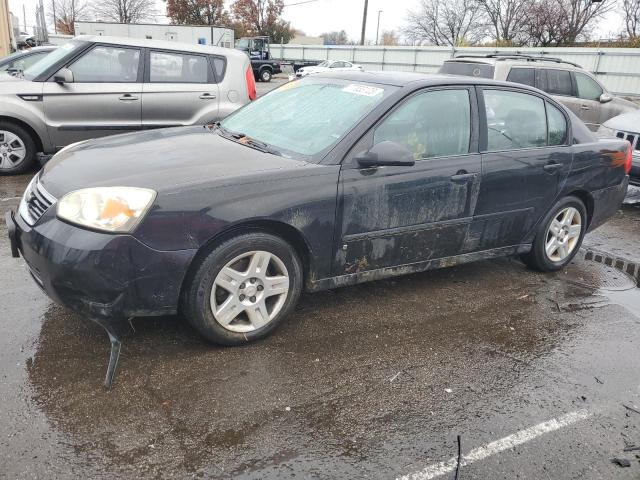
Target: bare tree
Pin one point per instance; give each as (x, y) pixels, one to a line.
(64, 14)
(543, 24)
(580, 16)
(444, 22)
(389, 38)
(505, 18)
(631, 12)
(124, 11)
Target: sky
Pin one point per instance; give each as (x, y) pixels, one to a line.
(319, 16)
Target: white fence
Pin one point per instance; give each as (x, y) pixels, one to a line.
(617, 68)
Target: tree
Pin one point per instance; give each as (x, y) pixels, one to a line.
(198, 12)
(631, 13)
(445, 22)
(505, 18)
(262, 17)
(335, 38)
(64, 14)
(124, 11)
(389, 38)
(580, 16)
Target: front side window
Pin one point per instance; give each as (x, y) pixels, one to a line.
(557, 126)
(514, 120)
(526, 76)
(558, 82)
(430, 124)
(178, 68)
(107, 64)
(307, 117)
(587, 87)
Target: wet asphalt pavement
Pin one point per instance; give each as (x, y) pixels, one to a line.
(372, 381)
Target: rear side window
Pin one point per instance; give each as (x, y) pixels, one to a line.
(107, 64)
(558, 82)
(587, 87)
(470, 69)
(557, 126)
(526, 76)
(430, 124)
(219, 67)
(514, 120)
(178, 68)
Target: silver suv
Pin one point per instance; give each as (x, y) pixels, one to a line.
(95, 86)
(567, 82)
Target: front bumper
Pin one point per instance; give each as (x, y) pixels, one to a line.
(98, 274)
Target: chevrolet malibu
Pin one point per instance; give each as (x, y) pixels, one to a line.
(331, 180)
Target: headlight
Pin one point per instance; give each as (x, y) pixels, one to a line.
(112, 209)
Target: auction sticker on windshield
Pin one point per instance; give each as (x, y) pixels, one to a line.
(365, 90)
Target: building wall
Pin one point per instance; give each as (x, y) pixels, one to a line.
(617, 68)
(223, 37)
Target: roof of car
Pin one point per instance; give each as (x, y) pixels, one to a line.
(520, 59)
(162, 45)
(401, 79)
(41, 48)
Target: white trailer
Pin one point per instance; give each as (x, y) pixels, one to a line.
(203, 34)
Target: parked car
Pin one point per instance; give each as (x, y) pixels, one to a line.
(94, 86)
(25, 40)
(263, 64)
(328, 65)
(19, 61)
(328, 181)
(627, 127)
(567, 82)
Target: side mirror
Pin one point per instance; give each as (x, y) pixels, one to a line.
(386, 154)
(605, 97)
(64, 75)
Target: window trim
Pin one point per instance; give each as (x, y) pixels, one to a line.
(147, 62)
(482, 119)
(87, 51)
(366, 140)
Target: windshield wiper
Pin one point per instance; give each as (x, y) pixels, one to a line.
(263, 147)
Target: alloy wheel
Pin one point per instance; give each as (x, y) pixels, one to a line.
(563, 234)
(12, 150)
(249, 291)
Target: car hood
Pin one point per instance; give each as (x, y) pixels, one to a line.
(314, 69)
(163, 160)
(628, 122)
(11, 84)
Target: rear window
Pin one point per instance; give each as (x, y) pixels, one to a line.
(470, 69)
(219, 67)
(558, 82)
(526, 76)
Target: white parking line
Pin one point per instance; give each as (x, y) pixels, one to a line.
(480, 453)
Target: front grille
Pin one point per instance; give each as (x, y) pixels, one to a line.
(35, 202)
(631, 137)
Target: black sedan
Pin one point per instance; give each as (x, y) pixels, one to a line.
(327, 181)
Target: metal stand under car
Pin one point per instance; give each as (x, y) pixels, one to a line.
(115, 350)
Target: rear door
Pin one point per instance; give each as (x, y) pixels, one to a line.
(405, 214)
(103, 99)
(180, 89)
(526, 154)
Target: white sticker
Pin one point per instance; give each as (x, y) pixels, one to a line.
(365, 90)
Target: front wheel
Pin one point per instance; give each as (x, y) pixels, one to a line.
(17, 149)
(243, 289)
(559, 236)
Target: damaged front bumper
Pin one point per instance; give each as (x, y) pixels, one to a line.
(101, 275)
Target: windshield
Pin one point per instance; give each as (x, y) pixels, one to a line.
(46, 62)
(306, 117)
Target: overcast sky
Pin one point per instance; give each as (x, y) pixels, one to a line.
(321, 16)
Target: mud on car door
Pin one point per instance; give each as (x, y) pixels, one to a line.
(405, 214)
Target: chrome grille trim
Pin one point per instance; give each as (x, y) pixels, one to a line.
(35, 202)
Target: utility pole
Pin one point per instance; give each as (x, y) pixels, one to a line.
(55, 20)
(24, 18)
(364, 21)
(378, 28)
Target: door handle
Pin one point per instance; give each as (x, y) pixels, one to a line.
(127, 97)
(462, 177)
(552, 167)
(207, 96)
(585, 107)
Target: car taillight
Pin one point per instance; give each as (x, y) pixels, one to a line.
(251, 84)
(629, 159)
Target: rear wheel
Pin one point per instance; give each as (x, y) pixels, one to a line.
(265, 75)
(559, 236)
(17, 149)
(243, 289)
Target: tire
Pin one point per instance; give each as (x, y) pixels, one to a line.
(569, 238)
(204, 293)
(16, 136)
(265, 75)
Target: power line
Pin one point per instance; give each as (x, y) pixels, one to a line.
(300, 3)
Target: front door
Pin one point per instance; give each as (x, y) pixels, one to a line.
(180, 90)
(104, 97)
(589, 93)
(401, 215)
(525, 157)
